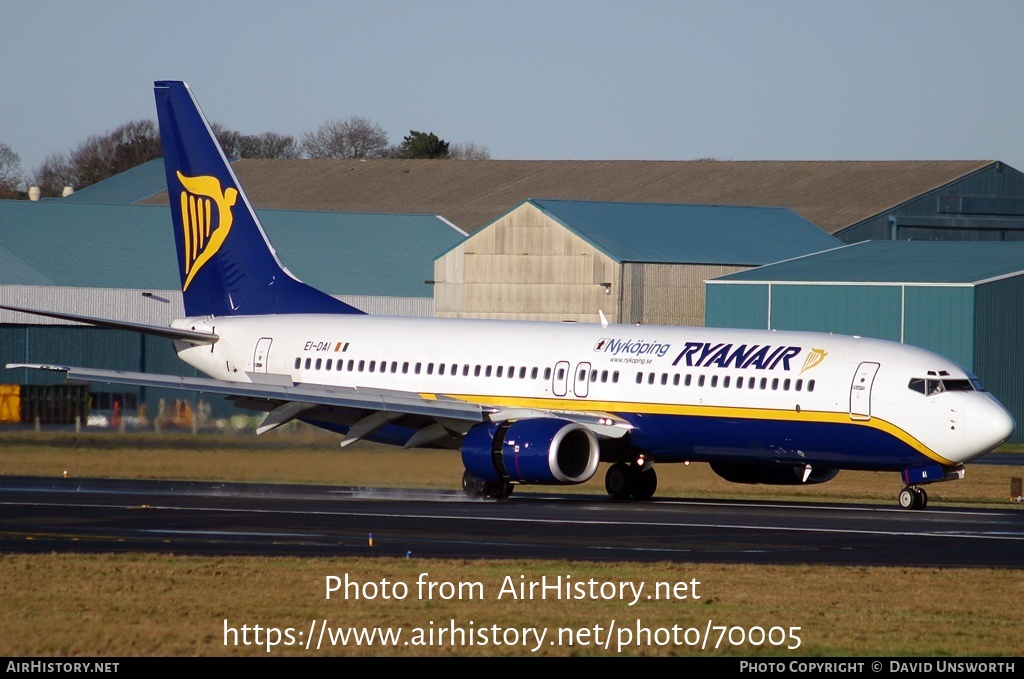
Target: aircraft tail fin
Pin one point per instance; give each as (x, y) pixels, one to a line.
(228, 266)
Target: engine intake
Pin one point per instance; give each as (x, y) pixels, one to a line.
(540, 451)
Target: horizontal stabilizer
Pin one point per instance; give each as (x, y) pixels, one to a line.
(144, 328)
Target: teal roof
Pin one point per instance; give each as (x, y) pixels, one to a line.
(62, 243)
(689, 234)
(126, 188)
(936, 262)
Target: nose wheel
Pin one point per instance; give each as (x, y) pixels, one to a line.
(913, 497)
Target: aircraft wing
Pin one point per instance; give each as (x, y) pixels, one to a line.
(286, 400)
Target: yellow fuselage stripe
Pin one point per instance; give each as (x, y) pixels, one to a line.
(699, 411)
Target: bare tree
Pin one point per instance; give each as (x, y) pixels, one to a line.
(269, 145)
(355, 137)
(53, 175)
(265, 145)
(468, 151)
(10, 172)
(102, 156)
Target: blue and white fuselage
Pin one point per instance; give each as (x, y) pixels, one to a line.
(539, 403)
(737, 397)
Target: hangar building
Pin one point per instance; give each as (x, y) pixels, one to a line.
(118, 261)
(835, 195)
(561, 260)
(964, 300)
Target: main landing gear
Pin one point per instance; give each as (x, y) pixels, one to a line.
(623, 481)
(479, 489)
(913, 497)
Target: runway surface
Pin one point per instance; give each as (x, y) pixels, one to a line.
(93, 515)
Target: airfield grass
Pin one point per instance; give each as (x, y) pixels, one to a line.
(167, 605)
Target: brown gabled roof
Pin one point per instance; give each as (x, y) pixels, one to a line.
(470, 194)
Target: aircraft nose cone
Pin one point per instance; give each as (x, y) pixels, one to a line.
(987, 424)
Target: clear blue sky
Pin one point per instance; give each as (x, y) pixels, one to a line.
(538, 79)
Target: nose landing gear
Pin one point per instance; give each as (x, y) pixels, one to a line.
(913, 497)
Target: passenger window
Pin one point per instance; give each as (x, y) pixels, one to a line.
(714, 380)
(417, 368)
(785, 384)
(405, 367)
(725, 382)
(675, 380)
(688, 380)
(522, 372)
(298, 363)
(498, 374)
(430, 368)
(533, 373)
(775, 384)
(309, 362)
(810, 385)
(650, 378)
(799, 385)
(487, 371)
(319, 361)
(547, 373)
(561, 374)
(373, 365)
(615, 377)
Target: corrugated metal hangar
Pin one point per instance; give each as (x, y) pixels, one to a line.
(644, 263)
(118, 261)
(964, 300)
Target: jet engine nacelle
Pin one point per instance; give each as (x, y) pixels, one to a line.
(542, 451)
(771, 474)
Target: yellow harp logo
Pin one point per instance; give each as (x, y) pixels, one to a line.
(204, 231)
(814, 358)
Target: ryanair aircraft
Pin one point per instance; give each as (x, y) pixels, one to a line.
(540, 403)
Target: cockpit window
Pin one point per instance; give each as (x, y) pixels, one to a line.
(958, 385)
(931, 386)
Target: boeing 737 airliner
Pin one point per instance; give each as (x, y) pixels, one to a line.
(540, 403)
